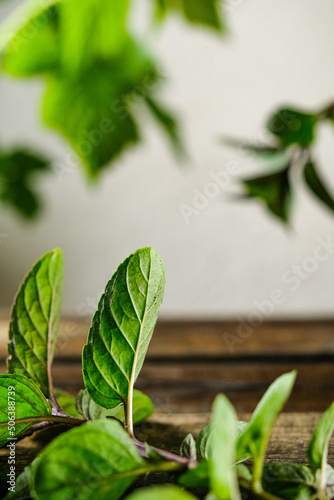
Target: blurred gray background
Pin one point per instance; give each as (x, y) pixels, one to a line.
(229, 257)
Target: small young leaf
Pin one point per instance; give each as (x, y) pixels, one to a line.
(204, 438)
(34, 322)
(197, 477)
(274, 190)
(254, 440)
(188, 448)
(282, 478)
(167, 492)
(317, 186)
(25, 401)
(223, 478)
(317, 450)
(67, 402)
(203, 12)
(122, 329)
(97, 460)
(38, 54)
(142, 408)
(18, 169)
(292, 126)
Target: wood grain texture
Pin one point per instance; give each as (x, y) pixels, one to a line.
(179, 339)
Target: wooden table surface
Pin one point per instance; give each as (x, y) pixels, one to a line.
(188, 363)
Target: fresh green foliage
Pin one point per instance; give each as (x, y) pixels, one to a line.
(142, 408)
(293, 134)
(100, 456)
(122, 329)
(67, 402)
(203, 442)
(34, 322)
(255, 438)
(188, 448)
(92, 98)
(101, 460)
(273, 190)
(205, 12)
(197, 477)
(20, 399)
(288, 480)
(18, 170)
(223, 477)
(99, 104)
(292, 126)
(317, 450)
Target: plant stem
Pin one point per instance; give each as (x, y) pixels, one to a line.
(59, 419)
(170, 457)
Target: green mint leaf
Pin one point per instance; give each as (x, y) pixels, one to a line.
(317, 450)
(204, 439)
(34, 55)
(34, 322)
(167, 492)
(203, 12)
(316, 185)
(167, 122)
(17, 171)
(122, 329)
(67, 402)
(197, 477)
(244, 473)
(20, 398)
(281, 477)
(188, 448)
(223, 478)
(107, 90)
(255, 438)
(142, 408)
(273, 190)
(104, 21)
(96, 460)
(292, 126)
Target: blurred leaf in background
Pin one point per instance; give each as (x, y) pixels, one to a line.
(98, 75)
(18, 170)
(293, 134)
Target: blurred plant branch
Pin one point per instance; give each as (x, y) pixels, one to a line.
(293, 137)
(98, 77)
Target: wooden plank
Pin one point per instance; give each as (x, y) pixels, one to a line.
(190, 386)
(179, 339)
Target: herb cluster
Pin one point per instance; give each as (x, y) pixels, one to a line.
(100, 454)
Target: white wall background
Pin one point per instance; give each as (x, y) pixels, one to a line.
(230, 254)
